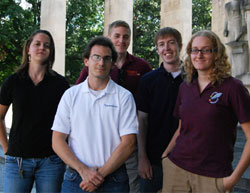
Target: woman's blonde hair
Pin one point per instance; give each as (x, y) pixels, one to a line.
(221, 69)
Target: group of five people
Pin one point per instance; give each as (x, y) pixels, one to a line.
(187, 114)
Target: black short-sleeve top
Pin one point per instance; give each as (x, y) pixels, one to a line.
(34, 108)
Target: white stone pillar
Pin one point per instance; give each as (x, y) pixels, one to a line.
(178, 14)
(218, 18)
(53, 19)
(218, 23)
(119, 10)
(247, 14)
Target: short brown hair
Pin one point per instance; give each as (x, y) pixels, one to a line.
(119, 23)
(168, 31)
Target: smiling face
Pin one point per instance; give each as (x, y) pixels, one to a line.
(202, 62)
(99, 63)
(120, 37)
(169, 50)
(39, 49)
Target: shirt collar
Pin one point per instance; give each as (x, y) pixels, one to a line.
(108, 90)
(129, 60)
(195, 86)
(165, 72)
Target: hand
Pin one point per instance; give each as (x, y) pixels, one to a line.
(145, 168)
(164, 155)
(89, 187)
(91, 179)
(5, 149)
(228, 184)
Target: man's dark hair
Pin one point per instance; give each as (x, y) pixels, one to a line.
(119, 23)
(100, 41)
(168, 31)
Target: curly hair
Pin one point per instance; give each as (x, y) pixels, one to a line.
(222, 67)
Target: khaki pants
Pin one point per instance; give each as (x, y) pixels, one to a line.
(178, 180)
(132, 171)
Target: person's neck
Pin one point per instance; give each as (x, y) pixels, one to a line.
(121, 60)
(203, 80)
(36, 72)
(97, 83)
(172, 67)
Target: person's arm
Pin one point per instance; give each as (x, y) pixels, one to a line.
(3, 133)
(172, 142)
(91, 178)
(120, 155)
(144, 166)
(244, 162)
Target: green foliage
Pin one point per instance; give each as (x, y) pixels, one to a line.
(146, 23)
(16, 25)
(202, 13)
(84, 21)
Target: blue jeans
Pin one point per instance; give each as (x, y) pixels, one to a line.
(47, 173)
(115, 182)
(155, 184)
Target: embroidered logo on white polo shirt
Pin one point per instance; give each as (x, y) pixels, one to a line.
(214, 97)
(107, 105)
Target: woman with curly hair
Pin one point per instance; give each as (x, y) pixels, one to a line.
(209, 106)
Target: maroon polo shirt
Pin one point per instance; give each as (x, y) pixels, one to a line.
(128, 76)
(208, 129)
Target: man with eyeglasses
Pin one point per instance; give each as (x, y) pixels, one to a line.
(128, 68)
(127, 72)
(156, 99)
(98, 119)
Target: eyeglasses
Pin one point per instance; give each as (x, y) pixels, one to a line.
(106, 59)
(196, 51)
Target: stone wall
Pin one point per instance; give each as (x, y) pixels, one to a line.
(237, 48)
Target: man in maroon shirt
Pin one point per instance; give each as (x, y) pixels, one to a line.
(128, 68)
(127, 72)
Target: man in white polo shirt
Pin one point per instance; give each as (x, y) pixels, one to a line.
(98, 117)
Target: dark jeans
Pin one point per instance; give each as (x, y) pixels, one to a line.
(155, 184)
(115, 182)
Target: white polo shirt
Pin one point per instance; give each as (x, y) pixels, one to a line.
(95, 124)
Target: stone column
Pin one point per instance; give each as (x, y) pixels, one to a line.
(246, 78)
(53, 19)
(178, 14)
(218, 22)
(218, 18)
(119, 10)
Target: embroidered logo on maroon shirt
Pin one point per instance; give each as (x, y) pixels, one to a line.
(214, 97)
(133, 73)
